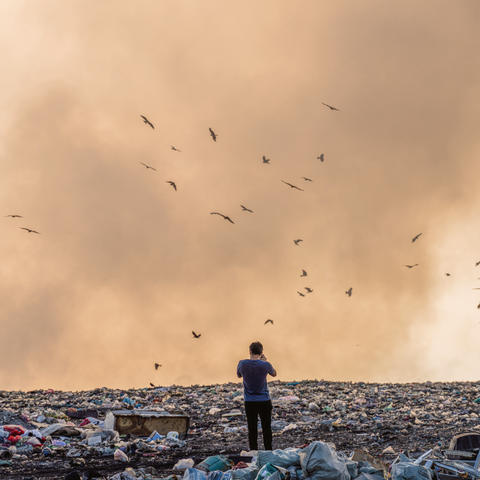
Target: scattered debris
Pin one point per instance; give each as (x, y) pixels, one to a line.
(50, 435)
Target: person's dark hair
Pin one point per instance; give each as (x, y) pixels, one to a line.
(256, 348)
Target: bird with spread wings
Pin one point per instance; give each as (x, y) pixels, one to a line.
(145, 120)
(331, 108)
(293, 186)
(148, 166)
(213, 135)
(224, 216)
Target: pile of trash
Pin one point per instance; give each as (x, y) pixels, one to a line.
(50, 434)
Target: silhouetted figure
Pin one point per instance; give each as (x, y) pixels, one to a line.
(245, 209)
(304, 273)
(195, 335)
(296, 242)
(172, 184)
(307, 179)
(224, 216)
(156, 366)
(254, 372)
(293, 186)
(213, 135)
(13, 216)
(145, 165)
(349, 292)
(266, 160)
(175, 149)
(30, 231)
(416, 237)
(145, 120)
(411, 266)
(331, 108)
(309, 290)
(269, 321)
(321, 157)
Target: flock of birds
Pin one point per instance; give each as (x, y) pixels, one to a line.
(245, 209)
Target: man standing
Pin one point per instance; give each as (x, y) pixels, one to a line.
(257, 398)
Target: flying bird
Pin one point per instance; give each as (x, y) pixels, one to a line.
(152, 385)
(349, 292)
(145, 120)
(307, 179)
(147, 166)
(321, 157)
(476, 264)
(224, 216)
(213, 135)
(175, 149)
(331, 108)
(13, 216)
(478, 306)
(156, 366)
(293, 186)
(416, 237)
(266, 160)
(296, 242)
(195, 335)
(172, 184)
(304, 273)
(309, 290)
(269, 321)
(411, 266)
(29, 231)
(245, 209)
(448, 275)
(301, 294)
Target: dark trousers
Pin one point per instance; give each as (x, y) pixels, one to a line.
(253, 410)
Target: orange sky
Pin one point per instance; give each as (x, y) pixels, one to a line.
(125, 268)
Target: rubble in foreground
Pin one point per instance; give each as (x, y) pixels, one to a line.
(62, 430)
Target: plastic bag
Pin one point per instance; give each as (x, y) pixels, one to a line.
(194, 474)
(184, 463)
(280, 458)
(410, 471)
(120, 456)
(320, 461)
(214, 463)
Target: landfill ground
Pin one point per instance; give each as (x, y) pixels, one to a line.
(407, 417)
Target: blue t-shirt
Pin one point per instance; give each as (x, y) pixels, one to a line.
(254, 374)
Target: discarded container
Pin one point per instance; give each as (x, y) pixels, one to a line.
(144, 423)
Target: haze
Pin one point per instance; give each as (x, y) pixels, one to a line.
(125, 267)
